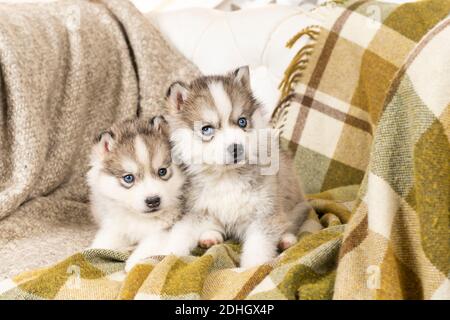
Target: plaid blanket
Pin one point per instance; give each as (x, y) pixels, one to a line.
(371, 109)
(305, 271)
(365, 112)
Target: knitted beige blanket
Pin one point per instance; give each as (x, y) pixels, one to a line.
(67, 70)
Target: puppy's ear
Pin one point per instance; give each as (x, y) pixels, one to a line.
(104, 142)
(242, 75)
(176, 96)
(160, 124)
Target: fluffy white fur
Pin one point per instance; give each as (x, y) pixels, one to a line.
(224, 198)
(121, 213)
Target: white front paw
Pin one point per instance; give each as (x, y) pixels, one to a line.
(210, 238)
(106, 239)
(255, 258)
(178, 249)
(100, 243)
(287, 240)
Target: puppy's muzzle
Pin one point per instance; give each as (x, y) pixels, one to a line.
(153, 202)
(236, 151)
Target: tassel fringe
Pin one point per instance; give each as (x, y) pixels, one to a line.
(295, 69)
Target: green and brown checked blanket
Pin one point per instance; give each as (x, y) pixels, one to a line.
(372, 109)
(365, 112)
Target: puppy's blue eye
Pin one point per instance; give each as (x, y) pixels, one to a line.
(207, 130)
(162, 172)
(242, 122)
(129, 178)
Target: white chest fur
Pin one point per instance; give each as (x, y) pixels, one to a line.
(231, 199)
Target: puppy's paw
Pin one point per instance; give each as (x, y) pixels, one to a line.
(177, 248)
(287, 240)
(253, 259)
(210, 238)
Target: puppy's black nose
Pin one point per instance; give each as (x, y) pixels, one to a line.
(236, 150)
(153, 202)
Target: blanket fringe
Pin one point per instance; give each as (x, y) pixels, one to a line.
(295, 69)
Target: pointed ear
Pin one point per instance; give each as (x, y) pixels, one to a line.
(160, 124)
(176, 96)
(104, 142)
(242, 75)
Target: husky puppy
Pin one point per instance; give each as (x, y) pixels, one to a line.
(135, 187)
(213, 121)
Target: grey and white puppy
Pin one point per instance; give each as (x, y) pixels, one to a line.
(213, 122)
(135, 187)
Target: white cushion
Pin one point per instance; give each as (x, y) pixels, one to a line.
(218, 41)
